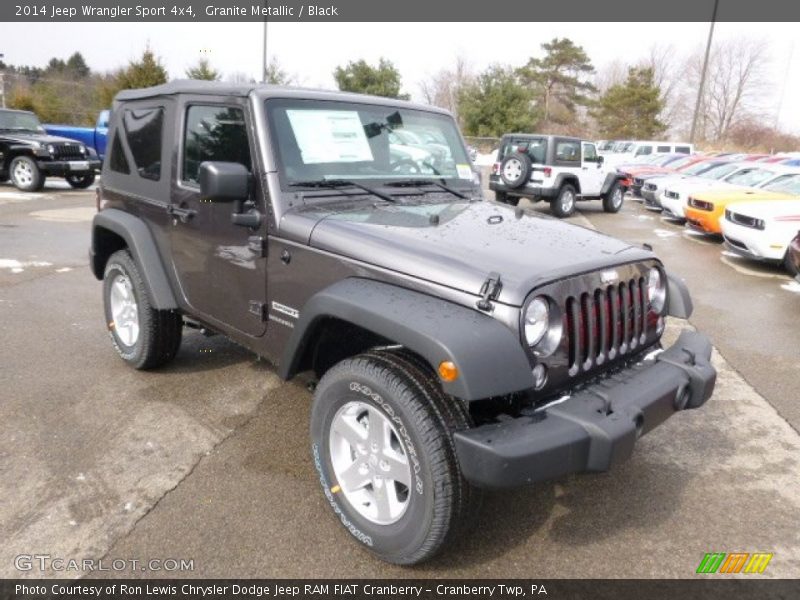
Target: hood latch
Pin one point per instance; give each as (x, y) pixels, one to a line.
(490, 290)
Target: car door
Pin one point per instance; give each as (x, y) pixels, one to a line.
(220, 266)
(592, 173)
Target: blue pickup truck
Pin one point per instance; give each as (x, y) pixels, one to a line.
(92, 137)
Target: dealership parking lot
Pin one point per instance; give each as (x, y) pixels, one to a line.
(208, 459)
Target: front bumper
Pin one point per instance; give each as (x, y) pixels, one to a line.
(594, 428)
(750, 243)
(62, 168)
(702, 220)
(672, 207)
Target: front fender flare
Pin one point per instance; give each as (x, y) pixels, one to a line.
(140, 242)
(679, 301)
(489, 357)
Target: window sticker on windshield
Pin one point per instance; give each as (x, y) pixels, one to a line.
(464, 171)
(329, 136)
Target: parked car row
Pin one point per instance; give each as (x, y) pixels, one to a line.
(751, 201)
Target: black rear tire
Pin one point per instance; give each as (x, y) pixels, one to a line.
(564, 204)
(159, 331)
(789, 265)
(80, 182)
(612, 201)
(440, 502)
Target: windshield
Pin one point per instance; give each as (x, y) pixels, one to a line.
(720, 171)
(681, 162)
(788, 184)
(24, 121)
(318, 140)
(699, 167)
(751, 178)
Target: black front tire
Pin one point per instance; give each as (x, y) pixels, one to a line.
(440, 502)
(80, 182)
(612, 201)
(160, 331)
(25, 174)
(564, 204)
(789, 265)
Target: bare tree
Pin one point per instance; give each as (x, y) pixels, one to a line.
(443, 88)
(663, 60)
(735, 86)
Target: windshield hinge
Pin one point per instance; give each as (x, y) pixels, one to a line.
(257, 245)
(490, 290)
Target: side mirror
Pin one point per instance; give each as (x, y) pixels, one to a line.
(600, 159)
(223, 182)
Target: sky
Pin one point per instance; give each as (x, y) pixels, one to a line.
(311, 51)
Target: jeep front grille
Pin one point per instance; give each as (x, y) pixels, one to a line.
(606, 323)
(68, 152)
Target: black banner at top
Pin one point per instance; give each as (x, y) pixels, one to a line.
(607, 11)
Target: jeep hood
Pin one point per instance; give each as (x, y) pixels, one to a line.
(458, 244)
(26, 137)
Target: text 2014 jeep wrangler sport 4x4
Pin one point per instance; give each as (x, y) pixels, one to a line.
(459, 344)
(561, 170)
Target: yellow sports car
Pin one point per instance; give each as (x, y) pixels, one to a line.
(705, 210)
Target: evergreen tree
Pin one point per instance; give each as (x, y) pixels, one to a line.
(496, 103)
(203, 70)
(631, 110)
(559, 80)
(360, 77)
(77, 66)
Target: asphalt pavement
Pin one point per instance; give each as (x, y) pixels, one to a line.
(207, 460)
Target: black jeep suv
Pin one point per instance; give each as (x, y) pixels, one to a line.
(458, 344)
(28, 155)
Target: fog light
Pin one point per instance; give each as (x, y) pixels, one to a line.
(448, 371)
(539, 376)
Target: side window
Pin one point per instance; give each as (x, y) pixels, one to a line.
(643, 150)
(568, 151)
(213, 133)
(589, 153)
(663, 149)
(116, 159)
(683, 149)
(143, 129)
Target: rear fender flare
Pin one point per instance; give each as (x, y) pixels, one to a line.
(140, 242)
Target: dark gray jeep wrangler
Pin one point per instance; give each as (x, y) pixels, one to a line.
(458, 344)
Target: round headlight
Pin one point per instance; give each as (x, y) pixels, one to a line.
(51, 148)
(656, 290)
(83, 149)
(537, 320)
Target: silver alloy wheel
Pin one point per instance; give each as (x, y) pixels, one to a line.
(513, 170)
(616, 197)
(124, 310)
(567, 201)
(23, 174)
(370, 463)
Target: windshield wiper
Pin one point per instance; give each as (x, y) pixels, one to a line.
(421, 182)
(340, 183)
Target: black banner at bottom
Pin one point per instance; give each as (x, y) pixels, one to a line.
(421, 589)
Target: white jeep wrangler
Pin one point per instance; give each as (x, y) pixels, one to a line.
(559, 169)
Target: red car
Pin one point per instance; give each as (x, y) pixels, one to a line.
(638, 173)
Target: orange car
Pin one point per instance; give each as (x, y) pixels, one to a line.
(705, 210)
